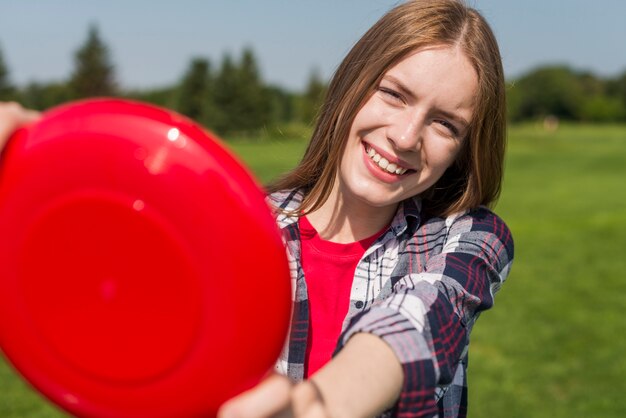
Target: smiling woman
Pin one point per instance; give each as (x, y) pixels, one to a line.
(393, 251)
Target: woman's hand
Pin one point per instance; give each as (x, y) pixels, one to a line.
(13, 116)
(277, 397)
(363, 380)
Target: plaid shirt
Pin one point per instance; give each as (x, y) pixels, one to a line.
(420, 287)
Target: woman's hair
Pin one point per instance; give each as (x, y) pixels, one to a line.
(475, 177)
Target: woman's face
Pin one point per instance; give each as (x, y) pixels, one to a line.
(410, 130)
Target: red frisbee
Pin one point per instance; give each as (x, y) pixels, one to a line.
(141, 272)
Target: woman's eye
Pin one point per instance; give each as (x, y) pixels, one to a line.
(452, 130)
(392, 94)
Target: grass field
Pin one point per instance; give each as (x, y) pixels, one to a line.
(554, 345)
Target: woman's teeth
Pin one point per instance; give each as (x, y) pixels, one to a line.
(384, 163)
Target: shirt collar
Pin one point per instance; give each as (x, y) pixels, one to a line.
(285, 204)
(408, 214)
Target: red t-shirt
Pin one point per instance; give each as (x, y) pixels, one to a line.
(329, 271)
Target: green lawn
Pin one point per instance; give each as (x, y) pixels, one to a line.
(554, 345)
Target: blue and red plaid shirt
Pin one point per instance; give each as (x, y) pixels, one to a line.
(420, 287)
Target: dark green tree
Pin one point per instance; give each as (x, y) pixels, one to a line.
(194, 94)
(161, 96)
(555, 91)
(43, 96)
(621, 87)
(513, 101)
(281, 103)
(242, 101)
(599, 103)
(225, 97)
(616, 88)
(590, 84)
(7, 90)
(601, 108)
(93, 73)
(252, 98)
(312, 98)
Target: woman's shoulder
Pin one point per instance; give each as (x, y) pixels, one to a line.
(481, 219)
(477, 219)
(477, 230)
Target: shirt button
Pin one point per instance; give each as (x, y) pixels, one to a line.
(358, 304)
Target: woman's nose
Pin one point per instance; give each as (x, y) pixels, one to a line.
(405, 130)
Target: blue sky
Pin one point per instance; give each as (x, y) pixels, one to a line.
(151, 42)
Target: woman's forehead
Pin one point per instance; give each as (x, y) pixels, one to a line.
(442, 74)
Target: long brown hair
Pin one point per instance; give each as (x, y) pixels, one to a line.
(476, 176)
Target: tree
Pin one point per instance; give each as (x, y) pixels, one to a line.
(281, 104)
(242, 101)
(616, 88)
(590, 84)
(601, 108)
(621, 87)
(94, 73)
(43, 96)
(160, 96)
(555, 91)
(7, 91)
(225, 97)
(195, 89)
(252, 97)
(312, 99)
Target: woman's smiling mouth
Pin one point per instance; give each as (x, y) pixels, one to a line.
(383, 163)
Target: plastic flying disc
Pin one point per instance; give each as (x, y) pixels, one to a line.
(141, 272)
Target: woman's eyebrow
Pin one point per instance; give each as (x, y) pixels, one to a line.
(456, 117)
(400, 85)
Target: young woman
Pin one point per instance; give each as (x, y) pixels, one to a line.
(393, 250)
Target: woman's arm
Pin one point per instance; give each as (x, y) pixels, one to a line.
(12, 116)
(362, 380)
(449, 272)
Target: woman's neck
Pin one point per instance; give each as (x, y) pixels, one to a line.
(343, 221)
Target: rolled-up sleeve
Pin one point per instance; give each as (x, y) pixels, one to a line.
(427, 317)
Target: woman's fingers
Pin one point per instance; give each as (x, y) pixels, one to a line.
(270, 398)
(307, 401)
(277, 397)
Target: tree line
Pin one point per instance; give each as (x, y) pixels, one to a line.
(232, 98)
(564, 93)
